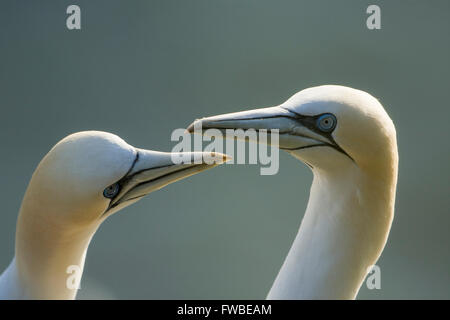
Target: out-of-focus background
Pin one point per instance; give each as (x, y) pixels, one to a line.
(143, 68)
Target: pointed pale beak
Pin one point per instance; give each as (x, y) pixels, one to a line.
(154, 170)
(295, 131)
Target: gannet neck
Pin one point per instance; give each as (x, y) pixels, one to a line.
(348, 139)
(83, 179)
(343, 232)
(40, 268)
(47, 254)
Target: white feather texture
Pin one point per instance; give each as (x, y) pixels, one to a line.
(65, 204)
(351, 204)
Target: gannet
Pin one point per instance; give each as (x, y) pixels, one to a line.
(84, 179)
(348, 140)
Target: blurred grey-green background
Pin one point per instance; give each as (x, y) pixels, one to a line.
(143, 68)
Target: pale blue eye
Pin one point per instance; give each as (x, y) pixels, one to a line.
(111, 191)
(326, 122)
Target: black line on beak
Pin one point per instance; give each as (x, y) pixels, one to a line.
(310, 123)
(306, 121)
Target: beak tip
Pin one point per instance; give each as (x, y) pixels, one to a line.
(226, 158)
(217, 158)
(191, 127)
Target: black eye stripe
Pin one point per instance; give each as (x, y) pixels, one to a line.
(311, 123)
(113, 190)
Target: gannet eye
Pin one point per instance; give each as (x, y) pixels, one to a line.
(326, 122)
(111, 191)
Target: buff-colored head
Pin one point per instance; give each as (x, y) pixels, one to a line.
(328, 127)
(89, 175)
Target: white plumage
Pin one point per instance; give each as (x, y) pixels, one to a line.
(84, 179)
(348, 140)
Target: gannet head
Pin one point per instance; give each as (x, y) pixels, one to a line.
(89, 175)
(327, 127)
(349, 141)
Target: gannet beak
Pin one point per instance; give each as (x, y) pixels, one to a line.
(295, 131)
(154, 170)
